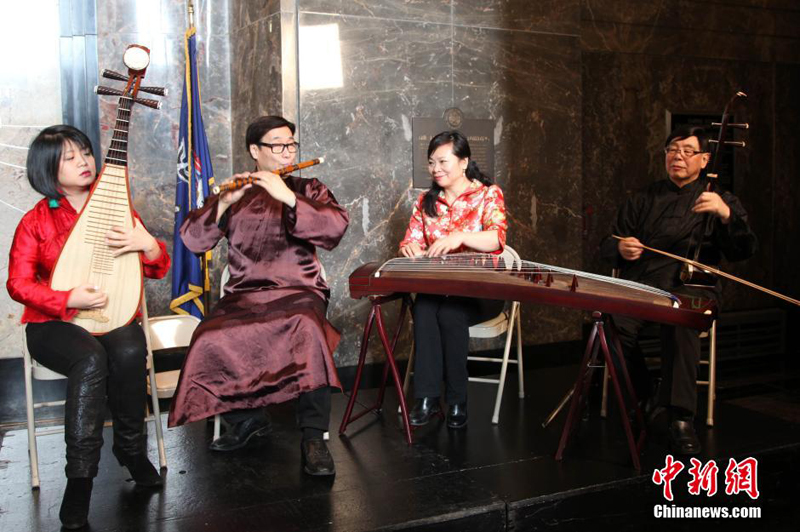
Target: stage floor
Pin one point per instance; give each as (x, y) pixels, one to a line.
(483, 478)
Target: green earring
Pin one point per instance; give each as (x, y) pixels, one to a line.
(52, 203)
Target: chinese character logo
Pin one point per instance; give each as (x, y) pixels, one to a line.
(667, 475)
(740, 477)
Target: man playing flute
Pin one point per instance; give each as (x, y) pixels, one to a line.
(268, 339)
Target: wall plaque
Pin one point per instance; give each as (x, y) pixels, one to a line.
(479, 133)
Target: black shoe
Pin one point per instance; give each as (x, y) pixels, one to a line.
(682, 437)
(317, 459)
(139, 466)
(457, 416)
(423, 410)
(74, 511)
(241, 433)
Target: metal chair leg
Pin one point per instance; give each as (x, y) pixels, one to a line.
(504, 366)
(712, 373)
(162, 453)
(33, 455)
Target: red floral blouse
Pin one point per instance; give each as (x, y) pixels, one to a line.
(479, 208)
(40, 236)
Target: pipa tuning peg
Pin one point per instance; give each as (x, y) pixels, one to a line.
(108, 91)
(111, 74)
(158, 91)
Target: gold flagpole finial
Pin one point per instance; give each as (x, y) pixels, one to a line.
(190, 8)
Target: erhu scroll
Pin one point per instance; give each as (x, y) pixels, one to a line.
(690, 274)
(240, 182)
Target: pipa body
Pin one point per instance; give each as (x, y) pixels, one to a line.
(85, 257)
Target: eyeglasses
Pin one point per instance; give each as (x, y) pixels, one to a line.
(277, 149)
(686, 152)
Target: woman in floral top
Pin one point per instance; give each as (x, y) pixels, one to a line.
(463, 211)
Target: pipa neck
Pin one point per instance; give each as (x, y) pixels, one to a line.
(118, 150)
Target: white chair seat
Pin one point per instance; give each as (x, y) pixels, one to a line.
(170, 332)
(166, 383)
(41, 373)
(490, 328)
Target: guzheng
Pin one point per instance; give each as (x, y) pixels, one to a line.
(495, 277)
(85, 257)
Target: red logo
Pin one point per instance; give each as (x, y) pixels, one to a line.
(703, 479)
(740, 477)
(667, 475)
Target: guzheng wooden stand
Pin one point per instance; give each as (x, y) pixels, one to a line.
(486, 276)
(613, 359)
(376, 316)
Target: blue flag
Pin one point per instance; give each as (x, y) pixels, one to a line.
(195, 175)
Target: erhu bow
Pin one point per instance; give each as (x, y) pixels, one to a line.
(715, 271)
(85, 257)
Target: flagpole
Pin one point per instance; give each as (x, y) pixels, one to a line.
(205, 259)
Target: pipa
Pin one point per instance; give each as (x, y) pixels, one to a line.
(85, 257)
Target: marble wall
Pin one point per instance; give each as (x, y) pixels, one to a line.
(509, 61)
(29, 102)
(579, 90)
(30, 99)
(786, 185)
(160, 25)
(643, 60)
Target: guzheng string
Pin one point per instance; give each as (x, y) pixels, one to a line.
(470, 262)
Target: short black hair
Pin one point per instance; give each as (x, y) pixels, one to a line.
(44, 157)
(684, 132)
(261, 125)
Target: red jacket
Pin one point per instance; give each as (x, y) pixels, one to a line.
(38, 240)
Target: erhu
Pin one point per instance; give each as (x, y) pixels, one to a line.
(85, 257)
(690, 274)
(694, 273)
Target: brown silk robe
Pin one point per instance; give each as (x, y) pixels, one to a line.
(267, 339)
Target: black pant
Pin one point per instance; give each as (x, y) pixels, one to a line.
(441, 339)
(313, 410)
(108, 369)
(680, 355)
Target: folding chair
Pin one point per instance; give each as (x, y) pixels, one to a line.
(35, 371)
(711, 382)
(166, 332)
(505, 322)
